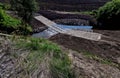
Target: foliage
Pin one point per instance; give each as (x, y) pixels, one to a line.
(24, 8)
(10, 24)
(108, 15)
(8, 21)
(40, 49)
(85, 12)
(99, 59)
(5, 6)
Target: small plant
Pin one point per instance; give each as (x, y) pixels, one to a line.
(99, 59)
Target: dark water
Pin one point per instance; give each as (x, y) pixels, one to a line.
(50, 32)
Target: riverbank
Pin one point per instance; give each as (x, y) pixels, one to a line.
(71, 57)
(31, 57)
(108, 48)
(76, 5)
(110, 36)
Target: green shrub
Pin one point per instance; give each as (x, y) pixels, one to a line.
(45, 51)
(10, 24)
(7, 21)
(109, 15)
(23, 29)
(5, 6)
(25, 8)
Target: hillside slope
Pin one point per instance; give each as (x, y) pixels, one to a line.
(71, 5)
(73, 1)
(26, 57)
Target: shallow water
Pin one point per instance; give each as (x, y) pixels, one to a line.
(50, 32)
(74, 27)
(45, 34)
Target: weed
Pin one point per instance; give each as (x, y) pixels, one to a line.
(59, 62)
(99, 59)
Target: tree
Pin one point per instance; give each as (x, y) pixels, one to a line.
(108, 16)
(25, 8)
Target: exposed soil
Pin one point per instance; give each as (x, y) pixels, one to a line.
(9, 65)
(53, 15)
(69, 18)
(67, 5)
(72, 22)
(113, 34)
(108, 50)
(82, 66)
(88, 68)
(37, 26)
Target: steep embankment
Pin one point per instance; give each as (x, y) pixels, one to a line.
(68, 5)
(73, 2)
(71, 5)
(26, 57)
(108, 48)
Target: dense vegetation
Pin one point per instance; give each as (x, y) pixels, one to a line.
(108, 16)
(44, 55)
(36, 57)
(41, 55)
(75, 2)
(8, 21)
(71, 5)
(9, 24)
(24, 8)
(4, 6)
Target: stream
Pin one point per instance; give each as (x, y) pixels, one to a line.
(50, 32)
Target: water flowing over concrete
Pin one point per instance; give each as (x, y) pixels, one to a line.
(77, 33)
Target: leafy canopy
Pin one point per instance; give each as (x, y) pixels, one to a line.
(109, 14)
(24, 8)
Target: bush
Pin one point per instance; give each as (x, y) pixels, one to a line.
(10, 24)
(5, 6)
(108, 15)
(7, 22)
(24, 8)
(43, 51)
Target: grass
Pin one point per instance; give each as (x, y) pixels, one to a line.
(99, 59)
(10, 24)
(93, 12)
(8, 21)
(42, 51)
(83, 12)
(5, 6)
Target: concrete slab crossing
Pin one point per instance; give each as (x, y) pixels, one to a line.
(76, 33)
